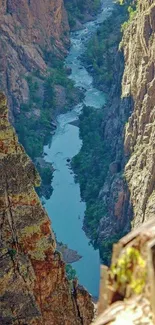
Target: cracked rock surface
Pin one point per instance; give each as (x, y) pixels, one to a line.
(34, 289)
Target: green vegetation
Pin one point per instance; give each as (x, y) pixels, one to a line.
(101, 49)
(70, 272)
(132, 13)
(46, 174)
(34, 123)
(33, 128)
(106, 246)
(127, 2)
(91, 166)
(130, 270)
(78, 8)
(12, 252)
(131, 8)
(37, 126)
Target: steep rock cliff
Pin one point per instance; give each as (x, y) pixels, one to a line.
(128, 131)
(130, 123)
(139, 83)
(28, 28)
(114, 194)
(109, 216)
(33, 285)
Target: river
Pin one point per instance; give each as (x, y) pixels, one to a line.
(65, 207)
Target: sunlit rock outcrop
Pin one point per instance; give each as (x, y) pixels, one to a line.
(129, 129)
(33, 284)
(127, 294)
(139, 83)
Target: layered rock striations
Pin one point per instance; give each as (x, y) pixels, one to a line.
(33, 284)
(139, 83)
(114, 194)
(28, 29)
(128, 129)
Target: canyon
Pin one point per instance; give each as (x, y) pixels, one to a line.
(67, 217)
(125, 196)
(34, 282)
(129, 192)
(34, 285)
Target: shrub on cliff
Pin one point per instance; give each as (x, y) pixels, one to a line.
(70, 272)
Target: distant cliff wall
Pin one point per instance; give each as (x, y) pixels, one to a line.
(129, 129)
(127, 191)
(28, 28)
(139, 83)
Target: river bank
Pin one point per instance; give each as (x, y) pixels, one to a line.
(80, 12)
(65, 206)
(49, 96)
(69, 256)
(101, 50)
(99, 164)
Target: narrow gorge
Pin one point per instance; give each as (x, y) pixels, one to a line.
(79, 81)
(65, 206)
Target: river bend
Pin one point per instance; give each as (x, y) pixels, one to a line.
(65, 207)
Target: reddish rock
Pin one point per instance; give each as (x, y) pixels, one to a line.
(28, 28)
(34, 289)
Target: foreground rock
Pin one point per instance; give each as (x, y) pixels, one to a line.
(127, 294)
(33, 285)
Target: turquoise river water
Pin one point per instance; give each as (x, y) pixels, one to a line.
(65, 207)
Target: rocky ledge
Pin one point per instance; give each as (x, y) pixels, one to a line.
(68, 255)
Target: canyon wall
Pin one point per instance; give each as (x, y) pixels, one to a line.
(127, 287)
(30, 32)
(128, 129)
(28, 29)
(139, 83)
(33, 284)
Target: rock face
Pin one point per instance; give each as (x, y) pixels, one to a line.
(33, 285)
(114, 193)
(139, 83)
(28, 30)
(129, 129)
(127, 294)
